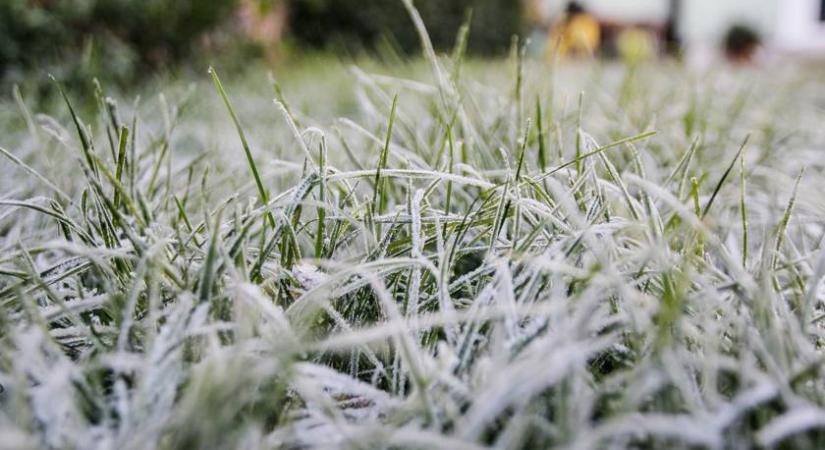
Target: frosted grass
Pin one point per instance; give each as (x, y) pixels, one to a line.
(460, 274)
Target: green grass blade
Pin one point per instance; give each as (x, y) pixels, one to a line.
(252, 166)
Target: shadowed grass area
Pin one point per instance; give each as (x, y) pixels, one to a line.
(447, 253)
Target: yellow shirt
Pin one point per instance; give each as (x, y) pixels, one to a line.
(578, 36)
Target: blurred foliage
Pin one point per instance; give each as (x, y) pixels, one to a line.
(122, 41)
(117, 39)
(366, 24)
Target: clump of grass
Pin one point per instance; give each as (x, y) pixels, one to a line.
(439, 269)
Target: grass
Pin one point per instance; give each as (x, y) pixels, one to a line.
(475, 254)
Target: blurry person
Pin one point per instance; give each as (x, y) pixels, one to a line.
(577, 34)
(741, 44)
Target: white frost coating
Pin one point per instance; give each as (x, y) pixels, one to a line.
(607, 313)
(791, 423)
(308, 275)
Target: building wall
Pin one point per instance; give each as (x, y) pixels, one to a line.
(800, 28)
(704, 22)
(789, 25)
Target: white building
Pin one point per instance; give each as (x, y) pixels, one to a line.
(800, 26)
(794, 26)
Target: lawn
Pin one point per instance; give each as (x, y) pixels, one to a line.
(437, 253)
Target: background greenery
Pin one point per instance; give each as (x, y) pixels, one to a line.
(126, 40)
(75, 38)
(366, 23)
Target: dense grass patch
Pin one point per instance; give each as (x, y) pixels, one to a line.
(474, 254)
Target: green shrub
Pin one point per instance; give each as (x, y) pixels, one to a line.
(110, 38)
(362, 24)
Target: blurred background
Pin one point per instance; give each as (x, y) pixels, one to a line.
(122, 42)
